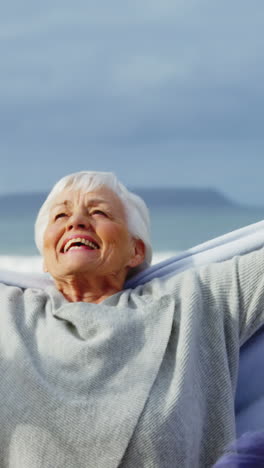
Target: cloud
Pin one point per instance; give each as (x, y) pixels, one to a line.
(120, 77)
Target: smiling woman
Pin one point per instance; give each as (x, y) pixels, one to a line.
(87, 247)
(99, 375)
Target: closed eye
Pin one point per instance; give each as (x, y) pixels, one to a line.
(59, 215)
(99, 212)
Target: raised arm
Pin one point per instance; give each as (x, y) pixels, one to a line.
(237, 286)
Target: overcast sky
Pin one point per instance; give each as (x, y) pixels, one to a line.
(162, 92)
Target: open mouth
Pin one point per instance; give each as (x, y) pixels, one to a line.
(80, 243)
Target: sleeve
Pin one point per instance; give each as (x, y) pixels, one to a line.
(236, 287)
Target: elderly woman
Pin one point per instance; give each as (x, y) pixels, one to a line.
(95, 375)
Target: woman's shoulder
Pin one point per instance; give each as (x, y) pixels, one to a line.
(203, 268)
(189, 280)
(170, 284)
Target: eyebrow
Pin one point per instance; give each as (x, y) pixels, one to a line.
(65, 203)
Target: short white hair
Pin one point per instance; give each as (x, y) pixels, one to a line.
(136, 211)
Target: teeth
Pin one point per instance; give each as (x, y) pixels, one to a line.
(79, 239)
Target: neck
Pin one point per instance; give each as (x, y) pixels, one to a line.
(80, 289)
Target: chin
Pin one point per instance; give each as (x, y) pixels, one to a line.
(76, 267)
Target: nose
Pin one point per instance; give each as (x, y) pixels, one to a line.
(78, 220)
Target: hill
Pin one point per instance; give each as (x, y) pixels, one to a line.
(184, 197)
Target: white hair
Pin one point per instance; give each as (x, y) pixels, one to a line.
(136, 211)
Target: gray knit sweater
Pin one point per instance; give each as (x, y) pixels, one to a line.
(144, 379)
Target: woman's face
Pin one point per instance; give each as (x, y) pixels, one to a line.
(87, 233)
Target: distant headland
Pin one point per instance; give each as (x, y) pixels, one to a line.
(184, 197)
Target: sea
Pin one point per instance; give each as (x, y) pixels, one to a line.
(179, 221)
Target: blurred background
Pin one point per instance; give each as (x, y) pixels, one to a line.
(168, 94)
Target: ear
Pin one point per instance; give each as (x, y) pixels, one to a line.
(138, 255)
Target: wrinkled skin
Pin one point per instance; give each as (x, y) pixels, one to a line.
(89, 273)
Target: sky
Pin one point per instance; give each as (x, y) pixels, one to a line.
(161, 92)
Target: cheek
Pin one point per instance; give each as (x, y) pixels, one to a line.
(116, 235)
(50, 236)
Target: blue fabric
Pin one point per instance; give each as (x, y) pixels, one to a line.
(249, 403)
(238, 242)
